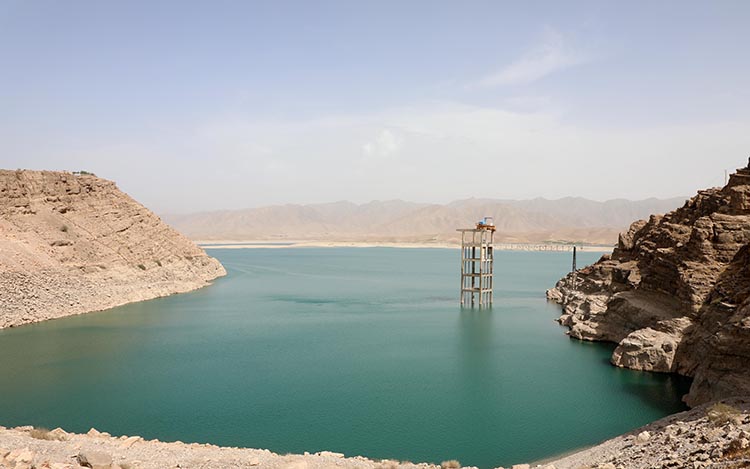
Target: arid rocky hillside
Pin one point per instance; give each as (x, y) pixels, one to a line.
(675, 293)
(518, 221)
(71, 244)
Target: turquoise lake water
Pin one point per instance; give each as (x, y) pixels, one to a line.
(355, 350)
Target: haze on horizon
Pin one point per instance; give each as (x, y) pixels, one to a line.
(193, 106)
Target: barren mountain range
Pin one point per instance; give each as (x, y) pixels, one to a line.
(518, 221)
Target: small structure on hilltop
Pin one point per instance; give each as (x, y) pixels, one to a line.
(477, 261)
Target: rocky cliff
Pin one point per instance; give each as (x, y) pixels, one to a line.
(71, 244)
(675, 293)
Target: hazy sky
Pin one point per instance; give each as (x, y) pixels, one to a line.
(202, 105)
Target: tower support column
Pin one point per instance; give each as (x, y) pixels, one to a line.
(477, 265)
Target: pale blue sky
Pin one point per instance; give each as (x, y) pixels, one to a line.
(218, 104)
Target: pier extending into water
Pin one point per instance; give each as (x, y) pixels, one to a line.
(545, 247)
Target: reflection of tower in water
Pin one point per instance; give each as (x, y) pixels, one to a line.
(477, 377)
(475, 345)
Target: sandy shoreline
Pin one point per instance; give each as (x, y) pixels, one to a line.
(265, 244)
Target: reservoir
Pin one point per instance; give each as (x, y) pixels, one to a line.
(363, 351)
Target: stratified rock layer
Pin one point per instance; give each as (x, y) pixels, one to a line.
(675, 293)
(71, 244)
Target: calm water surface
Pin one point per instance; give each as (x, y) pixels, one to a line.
(355, 350)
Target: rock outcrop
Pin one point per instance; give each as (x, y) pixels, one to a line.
(675, 293)
(71, 244)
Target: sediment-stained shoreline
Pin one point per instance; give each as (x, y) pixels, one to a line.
(72, 244)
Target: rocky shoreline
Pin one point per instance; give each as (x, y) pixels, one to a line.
(708, 436)
(675, 294)
(72, 244)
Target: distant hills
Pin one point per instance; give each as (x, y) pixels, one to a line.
(570, 219)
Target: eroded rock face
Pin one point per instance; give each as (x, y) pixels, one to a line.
(72, 244)
(649, 349)
(674, 293)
